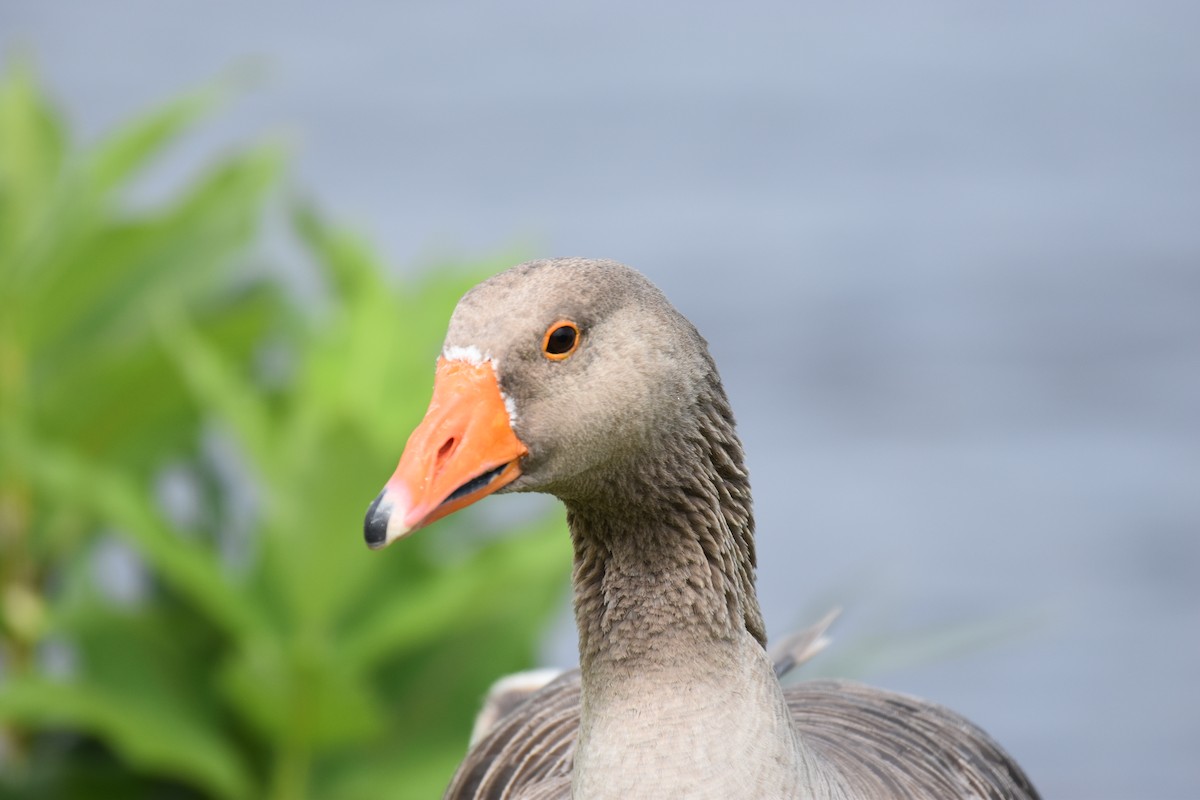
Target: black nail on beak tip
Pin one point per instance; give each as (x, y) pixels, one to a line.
(376, 523)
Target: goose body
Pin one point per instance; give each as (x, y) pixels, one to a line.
(577, 378)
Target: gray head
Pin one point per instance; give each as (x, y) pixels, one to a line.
(630, 379)
(595, 372)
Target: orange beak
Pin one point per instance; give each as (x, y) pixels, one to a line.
(463, 450)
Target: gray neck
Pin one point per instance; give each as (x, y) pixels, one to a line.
(664, 547)
(670, 633)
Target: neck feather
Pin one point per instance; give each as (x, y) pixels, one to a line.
(679, 698)
(664, 546)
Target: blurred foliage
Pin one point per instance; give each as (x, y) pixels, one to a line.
(165, 405)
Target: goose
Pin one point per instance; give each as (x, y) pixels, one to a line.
(577, 378)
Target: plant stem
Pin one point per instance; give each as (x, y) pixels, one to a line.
(289, 779)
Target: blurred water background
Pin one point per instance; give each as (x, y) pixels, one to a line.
(947, 256)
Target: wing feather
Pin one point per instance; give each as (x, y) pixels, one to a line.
(875, 743)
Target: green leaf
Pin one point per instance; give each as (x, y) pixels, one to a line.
(392, 772)
(123, 153)
(493, 582)
(145, 730)
(101, 294)
(142, 682)
(187, 565)
(32, 148)
(215, 385)
(304, 694)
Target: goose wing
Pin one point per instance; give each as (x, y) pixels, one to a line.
(879, 744)
(524, 737)
(527, 753)
(884, 744)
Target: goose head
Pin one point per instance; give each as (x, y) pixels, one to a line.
(561, 376)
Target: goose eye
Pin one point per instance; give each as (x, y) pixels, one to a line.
(561, 340)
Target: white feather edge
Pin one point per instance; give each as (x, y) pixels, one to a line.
(505, 694)
(470, 354)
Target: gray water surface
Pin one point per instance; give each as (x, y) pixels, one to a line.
(947, 256)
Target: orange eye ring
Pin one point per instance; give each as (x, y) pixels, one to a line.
(561, 340)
